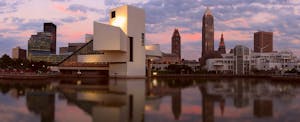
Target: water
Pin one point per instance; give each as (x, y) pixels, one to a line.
(152, 100)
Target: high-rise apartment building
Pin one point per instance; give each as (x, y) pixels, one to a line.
(263, 41)
(18, 53)
(51, 28)
(176, 44)
(207, 33)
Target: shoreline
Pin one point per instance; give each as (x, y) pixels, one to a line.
(198, 76)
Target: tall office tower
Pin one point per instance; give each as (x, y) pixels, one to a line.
(222, 48)
(51, 28)
(263, 41)
(176, 41)
(207, 33)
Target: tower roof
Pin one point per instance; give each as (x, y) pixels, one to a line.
(176, 32)
(207, 12)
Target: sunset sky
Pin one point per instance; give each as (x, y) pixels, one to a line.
(237, 19)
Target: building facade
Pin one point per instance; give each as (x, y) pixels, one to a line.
(72, 47)
(263, 41)
(242, 62)
(241, 55)
(39, 44)
(176, 44)
(51, 28)
(19, 53)
(121, 43)
(207, 33)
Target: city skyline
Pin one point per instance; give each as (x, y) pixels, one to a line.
(238, 20)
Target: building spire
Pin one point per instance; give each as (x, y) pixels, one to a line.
(222, 40)
(222, 48)
(207, 11)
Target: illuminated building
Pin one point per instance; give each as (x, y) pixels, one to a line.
(207, 33)
(120, 45)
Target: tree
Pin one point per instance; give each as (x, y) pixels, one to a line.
(6, 62)
(175, 68)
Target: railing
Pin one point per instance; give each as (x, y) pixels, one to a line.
(85, 65)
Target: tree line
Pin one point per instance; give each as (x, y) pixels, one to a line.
(9, 64)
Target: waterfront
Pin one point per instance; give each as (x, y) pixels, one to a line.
(152, 100)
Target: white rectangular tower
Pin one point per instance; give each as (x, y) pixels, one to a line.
(131, 20)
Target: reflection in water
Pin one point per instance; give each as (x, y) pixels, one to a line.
(208, 101)
(137, 100)
(241, 94)
(263, 108)
(118, 101)
(42, 103)
(176, 103)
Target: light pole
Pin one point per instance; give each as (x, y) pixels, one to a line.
(261, 49)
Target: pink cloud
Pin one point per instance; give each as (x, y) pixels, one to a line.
(165, 37)
(237, 22)
(62, 8)
(233, 35)
(160, 38)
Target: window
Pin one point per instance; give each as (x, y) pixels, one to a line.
(131, 49)
(143, 39)
(113, 14)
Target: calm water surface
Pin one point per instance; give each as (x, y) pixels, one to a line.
(152, 100)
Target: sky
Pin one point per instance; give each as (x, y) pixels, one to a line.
(237, 19)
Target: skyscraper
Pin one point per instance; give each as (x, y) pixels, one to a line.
(207, 33)
(222, 48)
(176, 41)
(51, 28)
(263, 41)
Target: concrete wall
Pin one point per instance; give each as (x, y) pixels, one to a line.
(118, 70)
(109, 38)
(106, 57)
(135, 28)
